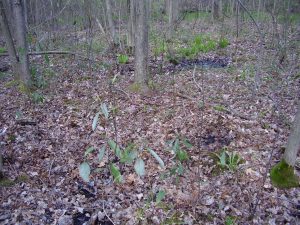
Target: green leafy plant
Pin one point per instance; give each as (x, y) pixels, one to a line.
(128, 155)
(179, 147)
(37, 97)
(219, 108)
(223, 42)
(160, 196)
(37, 79)
(228, 160)
(201, 43)
(123, 59)
(230, 220)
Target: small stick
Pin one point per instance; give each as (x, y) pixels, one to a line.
(107, 215)
(195, 79)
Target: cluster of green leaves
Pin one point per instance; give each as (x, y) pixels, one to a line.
(37, 97)
(160, 46)
(123, 59)
(178, 147)
(202, 43)
(223, 42)
(228, 160)
(230, 220)
(128, 155)
(37, 79)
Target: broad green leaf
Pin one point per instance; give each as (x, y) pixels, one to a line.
(104, 110)
(116, 173)
(158, 159)
(88, 151)
(180, 169)
(160, 196)
(187, 143)
(85, 171)
(129, 154)
(223, 158)
(139, 167)
(182, 155)
(175, 147)
(115, 148)
(95, 121)
(101, 153)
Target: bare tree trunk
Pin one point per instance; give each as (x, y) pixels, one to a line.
(110, 21)
(131, 22)
(9, 40)
(141, 43)
(87, 13)
(21, 46)
(215, 9)
(293, 145)
(237, 19)
(173, 13)
(283, 173)
(25, 13)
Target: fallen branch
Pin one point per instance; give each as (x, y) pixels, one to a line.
(52, 53)
(26, 122)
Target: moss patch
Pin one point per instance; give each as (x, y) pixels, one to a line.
(283, 176)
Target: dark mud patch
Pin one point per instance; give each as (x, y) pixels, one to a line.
(205, 63)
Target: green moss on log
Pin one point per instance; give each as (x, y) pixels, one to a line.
(283, 176)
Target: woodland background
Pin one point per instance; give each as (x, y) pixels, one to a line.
(149, 112)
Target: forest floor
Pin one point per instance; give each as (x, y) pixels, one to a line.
(213, 108)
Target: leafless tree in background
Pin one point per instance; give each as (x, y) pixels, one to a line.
(141, 43)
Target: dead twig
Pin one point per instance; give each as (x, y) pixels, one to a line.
(26, 122)
(124, 92)
(107, 214)
(53, 53)
(50, 168)
(194, 79)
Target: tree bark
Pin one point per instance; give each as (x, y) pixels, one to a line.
(173, 13)
(216, 9)
(110, 21)
(293, 145)
(131, 22)
(9, 40)
(21, 45)
(141, 43)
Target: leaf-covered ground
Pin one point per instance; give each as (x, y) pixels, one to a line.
(211, 107)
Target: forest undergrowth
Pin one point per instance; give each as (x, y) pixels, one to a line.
(226, 121)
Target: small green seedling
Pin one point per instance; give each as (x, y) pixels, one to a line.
(123, 59)
(230, 220)
(223, 42)
(228, 160)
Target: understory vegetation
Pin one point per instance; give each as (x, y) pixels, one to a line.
(85, 143)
